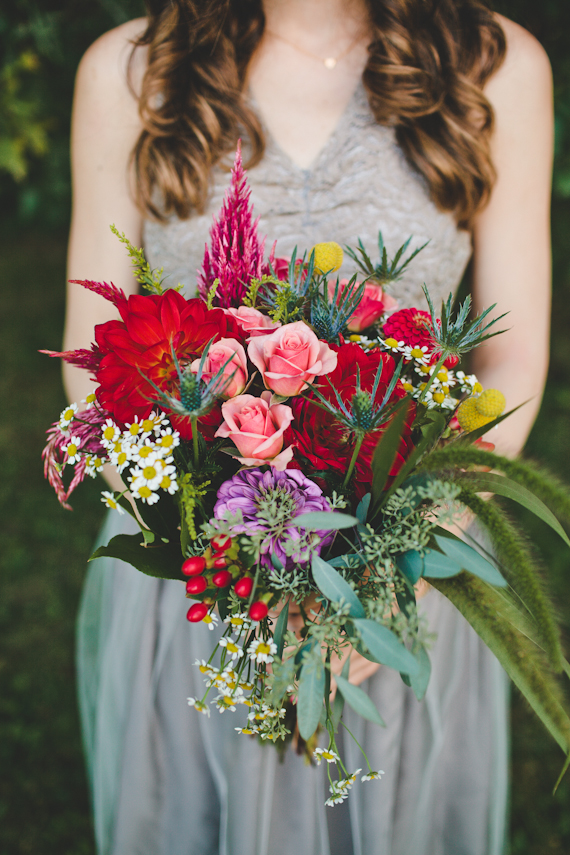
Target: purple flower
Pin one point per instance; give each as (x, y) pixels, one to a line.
(269, 502)
(236, 253)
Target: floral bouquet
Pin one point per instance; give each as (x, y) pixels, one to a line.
(291, 437)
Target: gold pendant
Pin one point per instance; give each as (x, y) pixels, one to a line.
(330, 62)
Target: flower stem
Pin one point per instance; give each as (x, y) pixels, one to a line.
(434, 374)
(353, 459)
(196, 447)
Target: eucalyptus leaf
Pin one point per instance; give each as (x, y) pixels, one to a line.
(411, 565)
(502, 486)
(359, 701)
(362, 509)
(324, 521)
(469, 559)
(280, 629)
(334, 587)
(440, 566)
(311, 693)
(385, 647)
(275, 562)
(161, 561)
(419, 682)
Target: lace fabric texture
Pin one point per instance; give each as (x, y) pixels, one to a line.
(168, 781)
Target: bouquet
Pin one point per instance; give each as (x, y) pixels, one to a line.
(292, 437)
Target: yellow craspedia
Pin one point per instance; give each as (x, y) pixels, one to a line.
(328, 256)
(469, 417)
(491, 403)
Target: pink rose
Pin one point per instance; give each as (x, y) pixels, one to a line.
(290, 358)
(253, 322)
(234, 377)
(373, 305)
(257, 429)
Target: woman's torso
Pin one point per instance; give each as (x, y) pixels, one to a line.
(359, 184)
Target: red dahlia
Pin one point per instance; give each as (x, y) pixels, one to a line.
(412, 326)
(140, 346)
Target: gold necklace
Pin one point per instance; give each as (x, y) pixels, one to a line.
(329, 62)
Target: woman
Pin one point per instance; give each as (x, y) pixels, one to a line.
(414, 117)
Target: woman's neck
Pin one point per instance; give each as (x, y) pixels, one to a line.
(322, 24)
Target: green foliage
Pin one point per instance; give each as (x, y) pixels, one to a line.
(386, 271)
(151, 280)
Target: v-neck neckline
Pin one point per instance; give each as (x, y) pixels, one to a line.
(330, 140)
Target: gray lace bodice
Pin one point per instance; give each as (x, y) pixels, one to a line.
(360, 183)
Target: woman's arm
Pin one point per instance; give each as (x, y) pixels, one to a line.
(512, 236)
(105, 127)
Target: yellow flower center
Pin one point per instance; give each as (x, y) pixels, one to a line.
(417, 353)
(68, 414)
(166, 441)
(149, 472)
(109, 432)
(263, 648)
(71, 449)
(439, 397)
(134, 429)
(424, 369)
(391, 342)
(144, 492)
(145, 451)
(148, 425)
(166, 482)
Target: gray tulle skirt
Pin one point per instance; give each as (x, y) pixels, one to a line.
(166, 780)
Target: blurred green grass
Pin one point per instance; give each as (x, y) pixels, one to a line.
(44, 549)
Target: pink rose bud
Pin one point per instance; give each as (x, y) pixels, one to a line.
(373, 305)
(234, 377)
(252, 321)
(290, 358)
(257, 429)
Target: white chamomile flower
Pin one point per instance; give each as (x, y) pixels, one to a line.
(346, 783)
(109, 500)
(392, 344)
(72, 449)
(239, 623)
(372, 776)
(67, 417)
(199, 705)
(168, 439)
(140, 489)
(93, 465)
(168, 480)
(247, 731)
(338, 797)
(206, 668)
(135, 429)
(120, 454)
(233, 649)
(262, 651)
(417, 353)
(211, 620)
(150, 471)
(110, 433)
(246, 686)
(142, 451)
(321, 754)
(468, 382)
(90, 400)
(226, 703)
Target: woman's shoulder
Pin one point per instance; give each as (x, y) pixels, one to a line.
(526, 62)
(111, 62)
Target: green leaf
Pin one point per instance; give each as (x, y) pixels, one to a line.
(338, 703)
(311, 693)
(482, 606)
(282, 676)
(324, 521)
(469, 559)
(359, 701)
(280, 629)
(411, 565)
(222, 605)
(385, 647)
(489, 482)
(334, 587)
(162, 561)
(386, 450)
(362, 509)
(439, 566)
(419, 682)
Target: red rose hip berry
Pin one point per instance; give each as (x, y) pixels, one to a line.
(243, 587)
(196, 585)
(194, 566)
(197, 612)
(218, 561)
(258, 610)
(221, 542)
(222, 578)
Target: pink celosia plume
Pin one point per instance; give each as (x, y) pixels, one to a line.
(235, 254)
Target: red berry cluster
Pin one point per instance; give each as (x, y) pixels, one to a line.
(216, 569)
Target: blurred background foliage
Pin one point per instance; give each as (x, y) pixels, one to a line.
(43, 550)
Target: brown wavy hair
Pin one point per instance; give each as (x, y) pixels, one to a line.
(428, 61)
